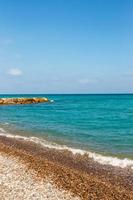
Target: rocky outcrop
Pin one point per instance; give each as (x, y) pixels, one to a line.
(10, 101)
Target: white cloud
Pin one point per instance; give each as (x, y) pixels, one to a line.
(18, 56)
(15, 72)
(7, 41)
(86, 81)
(128, 74)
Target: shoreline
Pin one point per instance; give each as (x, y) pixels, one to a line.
(73, 173)
(108, 159)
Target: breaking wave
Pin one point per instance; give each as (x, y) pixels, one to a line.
(104, 160)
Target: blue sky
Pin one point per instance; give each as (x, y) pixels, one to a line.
(66, 46)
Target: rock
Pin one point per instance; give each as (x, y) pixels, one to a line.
(22, 100)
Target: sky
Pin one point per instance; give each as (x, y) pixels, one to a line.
(66, 46)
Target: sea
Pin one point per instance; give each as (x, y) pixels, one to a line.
(100, 125)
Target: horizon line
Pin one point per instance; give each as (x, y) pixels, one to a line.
(113, 93)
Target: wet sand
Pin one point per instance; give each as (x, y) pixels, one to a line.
(77, 175)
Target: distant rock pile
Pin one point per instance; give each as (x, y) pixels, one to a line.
(10, 101)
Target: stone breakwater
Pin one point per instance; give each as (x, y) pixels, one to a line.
(10, 101)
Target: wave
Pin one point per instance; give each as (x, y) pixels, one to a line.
(104, 160)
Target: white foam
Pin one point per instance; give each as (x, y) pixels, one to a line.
(2, 131)
(6, 123)
(104, 160)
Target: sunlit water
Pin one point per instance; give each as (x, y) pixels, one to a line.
(96, 123)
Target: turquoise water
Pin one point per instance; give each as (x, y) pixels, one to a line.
(98, 123)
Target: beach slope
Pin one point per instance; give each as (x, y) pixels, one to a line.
(29, 170)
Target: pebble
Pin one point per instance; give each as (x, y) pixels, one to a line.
(16, 183)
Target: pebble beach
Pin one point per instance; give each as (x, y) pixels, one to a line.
(18, 183)
(29, 171)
